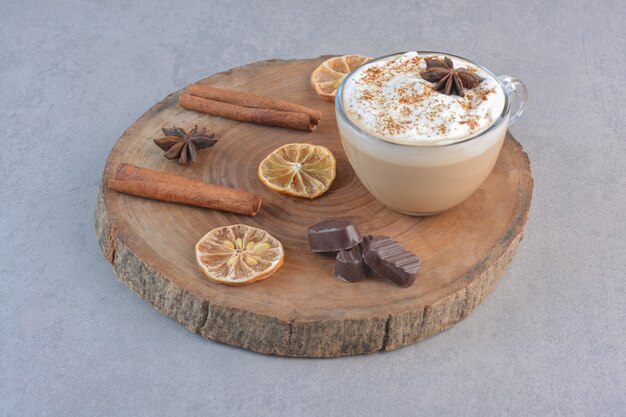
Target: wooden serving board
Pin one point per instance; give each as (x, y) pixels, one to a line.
(302, 310)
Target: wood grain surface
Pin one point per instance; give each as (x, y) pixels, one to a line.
(302, 310)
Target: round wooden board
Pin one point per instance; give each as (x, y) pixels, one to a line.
(302, 310)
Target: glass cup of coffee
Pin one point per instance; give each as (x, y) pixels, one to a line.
(423, 130)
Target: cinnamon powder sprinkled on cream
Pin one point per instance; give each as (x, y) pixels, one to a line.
(390, 100)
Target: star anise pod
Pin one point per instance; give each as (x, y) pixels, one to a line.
(182, 145)
(449, 80)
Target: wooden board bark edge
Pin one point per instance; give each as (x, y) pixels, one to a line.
(331, 338)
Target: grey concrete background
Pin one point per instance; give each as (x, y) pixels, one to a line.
(549, 340)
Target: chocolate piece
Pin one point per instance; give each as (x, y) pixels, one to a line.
(333, 235)
(390, 259)
(349, 265)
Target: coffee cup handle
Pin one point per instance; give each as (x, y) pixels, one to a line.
(518, 96)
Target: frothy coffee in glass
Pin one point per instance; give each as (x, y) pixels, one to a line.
(422, 132)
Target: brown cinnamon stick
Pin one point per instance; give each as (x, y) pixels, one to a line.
(248, 107)
(242, 98)
(292, 120)
(144, 182)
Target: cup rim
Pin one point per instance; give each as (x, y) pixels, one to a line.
(346, 119)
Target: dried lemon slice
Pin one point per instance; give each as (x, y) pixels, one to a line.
(327, 77)
(238, 254)
(299, 169)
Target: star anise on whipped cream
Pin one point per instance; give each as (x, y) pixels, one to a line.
(182, 145)
(449, 80)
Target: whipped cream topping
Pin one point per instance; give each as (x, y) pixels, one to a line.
(389, 99)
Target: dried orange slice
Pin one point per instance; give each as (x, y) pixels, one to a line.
(299, 169)
(238, 254)
(327, 77)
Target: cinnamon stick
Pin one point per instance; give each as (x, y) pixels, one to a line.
(242, 98)
(292, 120)
(144, 182)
